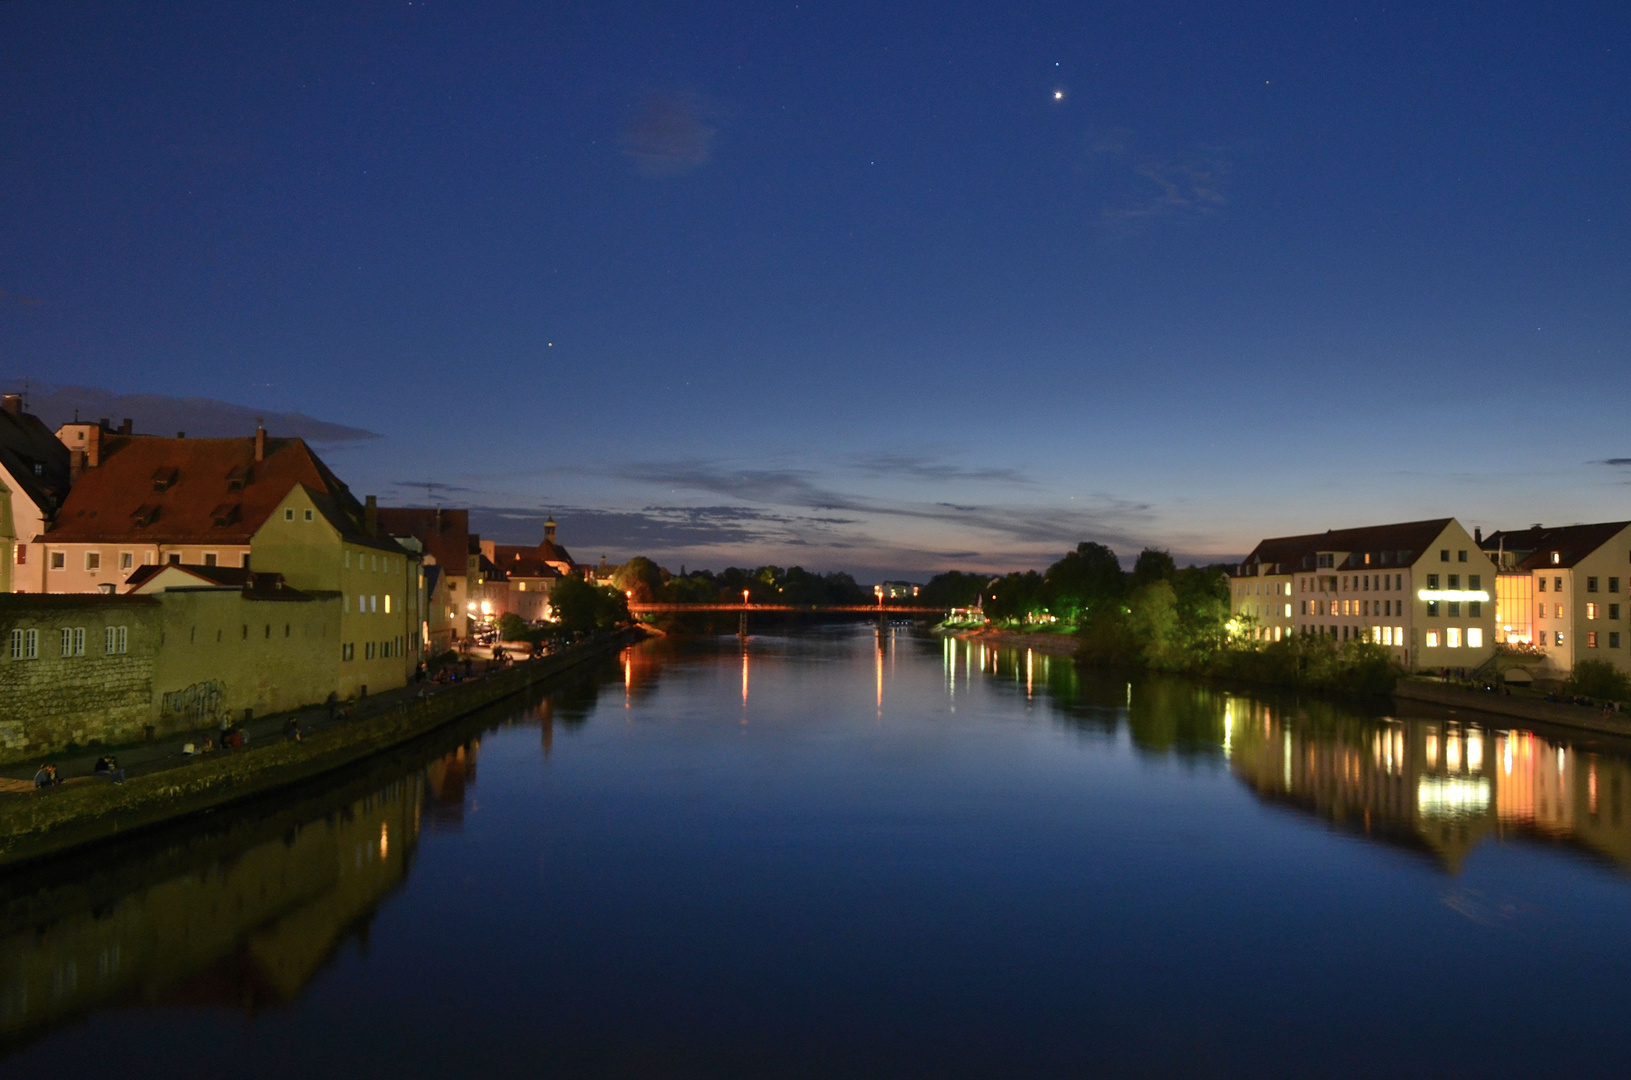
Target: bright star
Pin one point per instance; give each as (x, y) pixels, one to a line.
(1058, 95)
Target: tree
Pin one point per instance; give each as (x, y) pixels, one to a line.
(952, 589)
(640, 579)
(1084, 580)
(511, 627)
(1152, 565)
(581, 606)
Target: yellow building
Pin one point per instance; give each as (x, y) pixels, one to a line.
(1422, 589)
(34, 473)
(320, 548)
(1564, 591)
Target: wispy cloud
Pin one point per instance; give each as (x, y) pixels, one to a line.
(667, 135)
(929, 468)
(1149, 184)
(1614, 461)
(161, 414)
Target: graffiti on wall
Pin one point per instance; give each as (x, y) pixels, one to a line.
(200, 702)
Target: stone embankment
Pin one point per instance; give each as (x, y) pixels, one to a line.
(1051, 644)
(1531, 709)
(39, 823)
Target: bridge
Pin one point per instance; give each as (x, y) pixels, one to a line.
(857, 609)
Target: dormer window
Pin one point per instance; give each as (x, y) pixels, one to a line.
(240, 477)
(164, 479)
(227, 514)
(1557, 557)
(144, 515)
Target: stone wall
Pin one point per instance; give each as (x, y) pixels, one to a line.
(50, 700)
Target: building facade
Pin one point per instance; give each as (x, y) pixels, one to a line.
(34, 476)
(1421, 589)
(1565, 592)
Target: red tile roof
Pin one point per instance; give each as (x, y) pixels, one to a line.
(445, 533)
(1533, 547)
(1389, 545)
(188, 491)
(526, 562)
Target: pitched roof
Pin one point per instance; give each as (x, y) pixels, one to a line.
(1532, 548)
(195, 491)
(25, 442)
(445, 533)
(524, 562)
(255, 585)
(338, 513)
(1388, 545)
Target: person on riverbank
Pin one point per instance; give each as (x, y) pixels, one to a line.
(108, 768)
(46, 777)
(291, 729)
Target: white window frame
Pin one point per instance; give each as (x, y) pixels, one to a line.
(56, 560)
(73, 641)
(116, 640)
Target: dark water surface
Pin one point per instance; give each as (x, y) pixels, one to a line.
(839, 854)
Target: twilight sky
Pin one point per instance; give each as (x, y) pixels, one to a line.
(889, 288)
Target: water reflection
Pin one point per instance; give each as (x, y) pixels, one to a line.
(1435, 785)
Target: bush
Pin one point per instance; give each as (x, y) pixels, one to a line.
(1599, 679)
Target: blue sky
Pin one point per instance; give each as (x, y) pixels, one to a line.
(889, 289)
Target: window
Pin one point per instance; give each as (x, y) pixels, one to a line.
(1461, 556)
(1542, 585)
(1432, 639)
(126, 560)
(175, 558)
(368, 650)
(373, 603)
(1475, 608)
(1475, 637)
(1303, 604)
(348, 651)
(288, 514)
(1432, 609)
(1455, 581)
(73, 641)
(1591, 612)
(1288, 611)
(1559, 637)
(210, 558)
(1557, 584)
(1452, 638)
(22, 554)
(59, 559)
(25, 644)
(1591, 639)
(1455, 609)
(1613, 584)
(93, 560)
(1614, 639)
(115, 639)
(308, 515)
(1475, 582)
(387, 603)
(1614, 611)
(1444, 555)
(1432, 581)
(1543, 637)
(1591, 584)
(1557, 557)
(362, 605)
(1559, 609)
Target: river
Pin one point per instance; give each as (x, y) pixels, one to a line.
(839, 852)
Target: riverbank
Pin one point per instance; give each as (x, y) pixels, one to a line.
(1553, 713)
(39, 823)
(1049, 644)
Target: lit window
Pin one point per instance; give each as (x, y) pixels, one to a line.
(1560, 637)
(387, 603)
(1475, 637)
(1432, 639)
(1591, 611)
(1452, 637)
(1591, 639)
(373, 603)
(1557, 557)
(1559, 610)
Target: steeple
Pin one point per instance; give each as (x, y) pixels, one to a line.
(549, 530)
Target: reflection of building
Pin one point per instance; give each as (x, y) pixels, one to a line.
(1564, 591)
(446, 780)
(1420, 588)
(252, 928)
(1438, 785)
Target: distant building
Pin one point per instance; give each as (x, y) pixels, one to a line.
(141, 500)
(1419, 588)
(529, 572)
(445, 538)
(34, 476)
(1563, 591)
(897, 590)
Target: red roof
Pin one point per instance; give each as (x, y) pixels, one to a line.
(445, 533)
(188, 491)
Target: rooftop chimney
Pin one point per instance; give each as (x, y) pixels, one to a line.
(125, 428)
(260, 444)
(370, 516)
(1478, 534)
(93, 446)
(76, 463)
(181, 434)
(12, 403)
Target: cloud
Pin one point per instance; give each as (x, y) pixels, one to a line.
(932, 469)
(1614, 461)
(160, 414)
(432, 488)
(651, 528)
(667, 135)
(1154, 185)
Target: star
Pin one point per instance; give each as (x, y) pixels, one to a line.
(1058, 95)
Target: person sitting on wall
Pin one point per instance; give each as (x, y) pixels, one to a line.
(107, 767)
(45, 777)
(291, 729)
